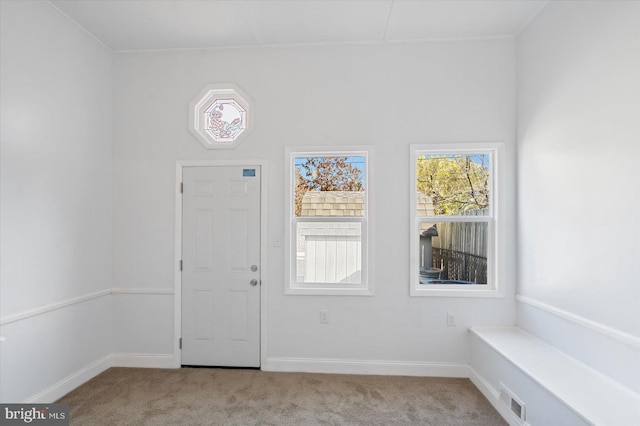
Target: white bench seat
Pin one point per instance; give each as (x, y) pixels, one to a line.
(596, 398)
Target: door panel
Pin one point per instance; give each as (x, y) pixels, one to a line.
(238, 244)
(203, 238)
(221, 241)
(239, 307)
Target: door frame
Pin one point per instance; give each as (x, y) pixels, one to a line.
(180, 165)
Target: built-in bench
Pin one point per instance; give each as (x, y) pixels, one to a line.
(593, 397)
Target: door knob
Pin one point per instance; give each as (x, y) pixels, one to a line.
(253, 282)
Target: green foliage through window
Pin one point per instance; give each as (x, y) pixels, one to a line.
(456, 183)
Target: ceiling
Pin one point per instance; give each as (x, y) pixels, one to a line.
(175, 24)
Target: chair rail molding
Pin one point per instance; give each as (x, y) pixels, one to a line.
(52, 307)
(611, 332)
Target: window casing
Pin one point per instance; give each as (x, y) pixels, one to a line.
(456, 226)
(327, 224)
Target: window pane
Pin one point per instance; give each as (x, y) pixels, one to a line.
(329, 186)
(452, 184)
(453, 253)
(329, 252)
(225, 119)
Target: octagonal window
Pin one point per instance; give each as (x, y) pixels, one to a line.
(220, 116)
(225, 120)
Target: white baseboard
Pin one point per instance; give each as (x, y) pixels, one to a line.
(66, 385)
(306, 365)
(493, 396)
(142, 360)
(385, 368)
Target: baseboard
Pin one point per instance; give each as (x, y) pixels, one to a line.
(493, 396)
(142, 360)
(66, 385)
(71, 382)
(306, 365)
(385, 368)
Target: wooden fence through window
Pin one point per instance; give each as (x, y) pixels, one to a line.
(460, 250)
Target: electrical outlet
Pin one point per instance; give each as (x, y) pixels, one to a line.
(451, 320)
(324, 317)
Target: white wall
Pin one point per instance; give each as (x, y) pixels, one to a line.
(388, 96)
(56, 197)
(579, 182)
(577, 132)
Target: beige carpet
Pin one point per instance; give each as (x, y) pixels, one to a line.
(202, 396)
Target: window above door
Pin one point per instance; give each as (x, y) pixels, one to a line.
(221, 116)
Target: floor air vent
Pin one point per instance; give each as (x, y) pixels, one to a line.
(514, 404)
(516, 407)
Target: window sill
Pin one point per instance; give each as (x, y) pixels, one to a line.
(456, 291)
(318, 291)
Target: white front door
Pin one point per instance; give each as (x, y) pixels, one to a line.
(221, 266)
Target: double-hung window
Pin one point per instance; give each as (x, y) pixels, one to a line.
(456, 220)
(327, 224)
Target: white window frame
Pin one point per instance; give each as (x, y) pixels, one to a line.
(495, 220)
(292, 287)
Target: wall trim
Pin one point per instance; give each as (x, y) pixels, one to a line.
(81, 28)
(52, 307)
(69, 383)
(124, 290)
(80, 299)
(348, 366)
(621, 336)
(83, 375)
(142, 360)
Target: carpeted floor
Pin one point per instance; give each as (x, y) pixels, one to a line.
(202, 396)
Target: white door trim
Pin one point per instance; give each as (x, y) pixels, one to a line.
(180, 164)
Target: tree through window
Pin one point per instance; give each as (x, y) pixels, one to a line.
(328, 222)
(454, 218)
